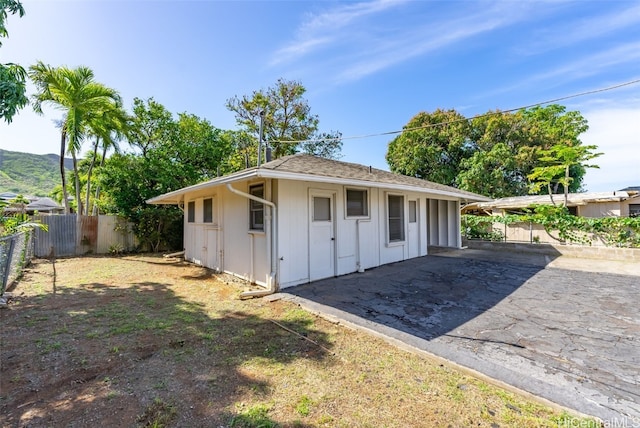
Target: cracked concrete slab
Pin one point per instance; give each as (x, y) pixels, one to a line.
(569, 336)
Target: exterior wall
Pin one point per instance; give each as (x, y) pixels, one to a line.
(226, 244)
(359, 243)
(601, 209)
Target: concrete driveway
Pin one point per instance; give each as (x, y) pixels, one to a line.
(570, 336)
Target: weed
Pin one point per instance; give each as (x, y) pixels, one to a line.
(254, 417)
(61, 330)
(325, 419)
(304, 406)
(161, 384)
(46, 347)
(158, 414)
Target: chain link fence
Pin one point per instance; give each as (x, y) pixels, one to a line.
(16, 251)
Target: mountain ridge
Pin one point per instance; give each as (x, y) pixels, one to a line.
(29, 173)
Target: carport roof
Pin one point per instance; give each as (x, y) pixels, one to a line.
(304, 167)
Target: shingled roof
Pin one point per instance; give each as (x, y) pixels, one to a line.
(322, 167)
(313, 168)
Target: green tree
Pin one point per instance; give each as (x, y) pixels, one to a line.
(12, 76)
(81, 99)
(431, 146)
(500, 158)
(553, 126)
(287, 119)
(107, 130)
(556, 164)
(492, 154)
(170, 154)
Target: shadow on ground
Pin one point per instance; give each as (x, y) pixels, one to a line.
(137, 354)
(426, 297)
(568, 336)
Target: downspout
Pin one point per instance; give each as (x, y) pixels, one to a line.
(273, 276)
(358, 257)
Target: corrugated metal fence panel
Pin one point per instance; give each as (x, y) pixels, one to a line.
(61, 236)
(88, 234)
(114, 234)
(98, 235)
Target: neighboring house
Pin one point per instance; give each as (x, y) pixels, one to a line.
(622, 203)
(37, 204)
(302, 218)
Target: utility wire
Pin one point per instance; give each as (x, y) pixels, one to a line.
(465, 119)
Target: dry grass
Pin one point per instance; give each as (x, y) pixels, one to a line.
(144, 341)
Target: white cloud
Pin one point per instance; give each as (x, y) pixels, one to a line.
(616, 132)
(322, 29)
(426, 39)
(593, 64)
(363, 38)
(591, 28)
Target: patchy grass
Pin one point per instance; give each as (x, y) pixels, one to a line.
(145, 341)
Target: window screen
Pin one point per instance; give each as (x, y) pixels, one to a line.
(207, 211)
(357, 204)
(191, 211)
(413, 211)
(321, 209)
(396, 218)
(256, 209)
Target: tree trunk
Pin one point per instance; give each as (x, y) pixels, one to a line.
(93, 161)
(63, 176)
(77, 185)
(551, 194)
(95, 205)
(566, 186)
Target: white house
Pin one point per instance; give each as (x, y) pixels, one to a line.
(302, 218)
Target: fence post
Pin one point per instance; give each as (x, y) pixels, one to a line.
(6, 265)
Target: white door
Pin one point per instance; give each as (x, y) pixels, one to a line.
(211, 242)
(321, 236)
(413, 239)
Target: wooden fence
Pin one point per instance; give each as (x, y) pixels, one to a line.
(69, 236)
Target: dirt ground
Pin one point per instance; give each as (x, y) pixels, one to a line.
(147, 341)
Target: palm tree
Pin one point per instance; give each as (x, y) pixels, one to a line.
(75, 92)
(107, 128)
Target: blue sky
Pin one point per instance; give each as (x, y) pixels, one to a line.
(368, 66)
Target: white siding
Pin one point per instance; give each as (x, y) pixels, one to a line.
(293, 239)
(245, 252)
(360, 242)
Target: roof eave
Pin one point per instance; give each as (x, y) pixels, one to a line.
(268, 173)
(177, 196)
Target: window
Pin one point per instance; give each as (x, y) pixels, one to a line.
(357, 203)
(321, 209)
(395, 209)
(634, 210)
(256, 209)
(207, 211)
(191, 211)
(413, 211)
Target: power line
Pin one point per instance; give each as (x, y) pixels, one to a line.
(465, 119)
